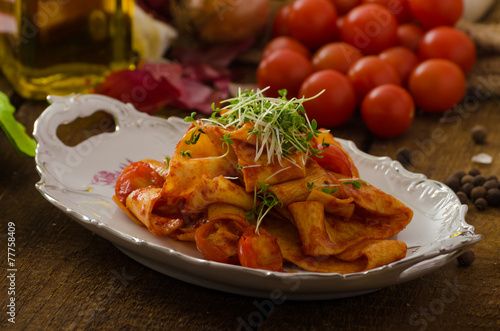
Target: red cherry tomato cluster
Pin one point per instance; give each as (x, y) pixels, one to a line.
(379, 56)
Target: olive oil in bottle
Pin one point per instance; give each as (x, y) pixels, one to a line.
(63, 46)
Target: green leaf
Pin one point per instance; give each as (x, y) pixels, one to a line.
(15, 131)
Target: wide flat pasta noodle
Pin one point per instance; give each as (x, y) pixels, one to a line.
(374, 205)
(364, 256)
(259, 171)
(141, 204)
(220, 189)
(185, 172)
(325, 234)
(298, 189)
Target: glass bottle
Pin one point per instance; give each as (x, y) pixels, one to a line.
(63, 46)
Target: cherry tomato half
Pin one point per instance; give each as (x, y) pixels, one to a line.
(336, 103)
(437, 85)
(136, 175)
(432, 13)
(313, 22)
(388, 111)
(260, 250)
(333, 158)
(446, 42)
(369, 72)
(370, 27)
(283, 69)
(218, 240)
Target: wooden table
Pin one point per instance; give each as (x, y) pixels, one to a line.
(69, 279)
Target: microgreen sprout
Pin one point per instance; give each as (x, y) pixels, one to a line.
(186, 153)
(196, 133)
(329, 191)
(281, 125)
(167, 164)
(310, 186)
(226, 141)
(356, 183)
(264, 201)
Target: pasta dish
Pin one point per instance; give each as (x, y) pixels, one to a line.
(259, 185)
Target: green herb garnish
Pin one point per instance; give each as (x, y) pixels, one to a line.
(264, 201)
(186, 153)
(167, 164)
(328, 191)
(196, 133)
(281, 125)
(356, 183)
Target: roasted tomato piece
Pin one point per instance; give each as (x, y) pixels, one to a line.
(260, 250)
(333, 158)
(218, 240)
(136, 175)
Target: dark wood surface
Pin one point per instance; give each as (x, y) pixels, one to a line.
(70, 279)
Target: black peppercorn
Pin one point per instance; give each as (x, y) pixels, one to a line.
(481, 204)
(477, 192)
(478, 180)
(467, 258)
(492, 177)
(459, 174)
(479, 134)
(462, 197)
(489, 184)
(493, 197)
(467, 179)
(474, 172)
(453, 182)
(467, 188)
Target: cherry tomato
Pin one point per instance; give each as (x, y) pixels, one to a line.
(399, 8)
(280, 22)
(369, 72)
(260, 250)
(337, 56)
(445, 42)
(283, 69)
(285, 42)
(312, 22)
(437, 85)
(409, 36)
(343, 6)
(136, 175)
(336, 103)
(370, 27)
(432, 13)
(402, 59)
(333, 158)
(388, 111)
(218, 240)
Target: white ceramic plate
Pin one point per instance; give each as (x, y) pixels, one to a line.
(80, 181)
